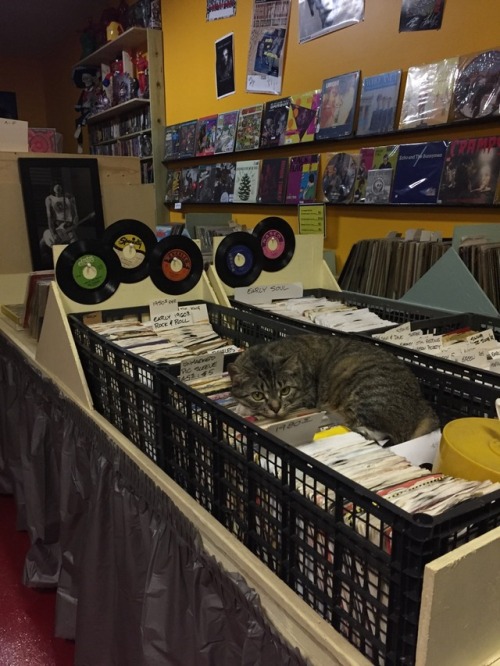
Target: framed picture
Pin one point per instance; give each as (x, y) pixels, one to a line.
(62, 204)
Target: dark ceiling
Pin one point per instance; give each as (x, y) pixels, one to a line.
(34, 28)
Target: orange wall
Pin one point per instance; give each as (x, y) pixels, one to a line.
(25, 77)
(373, 46)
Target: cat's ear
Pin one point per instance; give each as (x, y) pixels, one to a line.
(290, 363)
(233, 372)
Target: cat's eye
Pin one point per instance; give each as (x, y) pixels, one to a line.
(258, 396)
(285, 390)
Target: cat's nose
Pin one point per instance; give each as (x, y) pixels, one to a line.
(274, 405)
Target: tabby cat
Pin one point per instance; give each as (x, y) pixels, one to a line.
(368, 388)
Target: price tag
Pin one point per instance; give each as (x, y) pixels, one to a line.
(208, 365)
(268, 293)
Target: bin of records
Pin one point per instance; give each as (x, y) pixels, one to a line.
(342, 540)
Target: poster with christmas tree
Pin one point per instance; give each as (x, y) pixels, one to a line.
(246, 181)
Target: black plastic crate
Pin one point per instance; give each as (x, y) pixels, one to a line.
(357, 559)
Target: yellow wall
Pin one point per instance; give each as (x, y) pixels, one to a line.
(373, 46)
(25, 77)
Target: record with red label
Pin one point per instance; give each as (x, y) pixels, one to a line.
(277, 242)
(175, 265)
(133, 242)
(238, 259)
(88, 272)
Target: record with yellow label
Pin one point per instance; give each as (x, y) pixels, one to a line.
(133, 242)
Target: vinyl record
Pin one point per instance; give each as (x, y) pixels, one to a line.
(277, 242)
(175, 265)
(339, 178)
(238, 259)
(476, 91)
(132, 242)
(88, 272)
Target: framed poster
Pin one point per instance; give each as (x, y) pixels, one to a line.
(62, 204)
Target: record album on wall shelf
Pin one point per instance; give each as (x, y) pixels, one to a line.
(62, 204)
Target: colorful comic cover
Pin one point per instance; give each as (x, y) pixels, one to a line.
(302, 117)
(338, 105)
(246, 182)
(302, 179)
(171, 151)
(427, 95)
(476, 93)
(187, 138)
(378, 102)
(206, 129)
(226, 132)
(272, 180)
(248, 128)
(418, 172)
(471, 171)
(274, 123)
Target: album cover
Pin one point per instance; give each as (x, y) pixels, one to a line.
(173, 184)
(471, 171)
(206, 129)
(206, 183)
(338, 105)
(378, 186)
(418, 172)
(385, 157)
(187, 138)
(225, 173)
(365, 163)
(171, 151)
(246, 181)
(302, 117)
(427, 95)
(339, 176)
(273, 180)
(274, 122)
(378, 102)
(302, 179)
(226, 132)
(188, 184)
(248, 128)
(476, 93)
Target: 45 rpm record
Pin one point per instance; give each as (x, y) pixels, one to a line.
(238, 259)
(88, 272)
(277, 242)
(132, 241)
(175, 264)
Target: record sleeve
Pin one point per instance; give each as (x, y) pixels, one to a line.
(133, 242)
(274, 123)
(365, 163)
(248, 128)
(226, 132)
(225, 173)
(378, 103)
(88, 272)
(272, 180)
(238, 259)
(171, 148)
(385, 157)
(302, 117)
(277, 243)
(476, 93)
(172, 185)
(187, 138)
(339, 177)
(471, 171)
(188, 184)
(338, 105)
(246, 182)
(428, 93)
(206, 129)
(418, 172)
(175, 265)
(302, 179)
(378, 186)
(206, 183)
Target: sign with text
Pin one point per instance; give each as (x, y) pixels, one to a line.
(312, 219)
(208, 365)
(268, 293)
(164, 318)
(298, 430)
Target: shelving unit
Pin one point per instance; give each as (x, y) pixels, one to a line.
(136, 126)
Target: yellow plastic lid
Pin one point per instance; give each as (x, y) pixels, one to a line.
(470, 449)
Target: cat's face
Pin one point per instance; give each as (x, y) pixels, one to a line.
(269, 387)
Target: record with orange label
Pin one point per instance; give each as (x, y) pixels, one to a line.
(176, 265)
(238, 259)
(277, 242)
(132, 242)
(88, 272)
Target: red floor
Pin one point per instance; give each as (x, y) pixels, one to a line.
(26, 615)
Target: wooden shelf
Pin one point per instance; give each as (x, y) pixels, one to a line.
(118, 110)
(132, 38)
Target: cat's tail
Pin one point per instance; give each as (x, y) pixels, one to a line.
(427, 424)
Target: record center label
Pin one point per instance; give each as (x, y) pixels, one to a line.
(239, 260)
(176, 265)
(273, 244)
(130, 250)
(89, 272)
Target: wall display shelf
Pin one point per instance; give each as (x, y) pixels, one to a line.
(134, 127)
